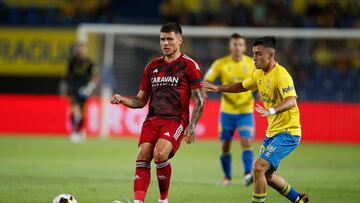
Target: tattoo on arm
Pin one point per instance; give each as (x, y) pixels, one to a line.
(198, 105)
(134, 103)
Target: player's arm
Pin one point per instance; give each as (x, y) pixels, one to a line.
(288, 103)
(138, 101)
(211, 75)
(198, 100)
(230, 88)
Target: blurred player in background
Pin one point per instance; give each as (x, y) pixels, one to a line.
(81, 80)
(284, 132)
(236, 109)
(169, 82)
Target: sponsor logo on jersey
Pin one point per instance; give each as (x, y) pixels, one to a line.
(164, 81)
(287, 89)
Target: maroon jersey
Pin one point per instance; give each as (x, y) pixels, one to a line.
(169, 85)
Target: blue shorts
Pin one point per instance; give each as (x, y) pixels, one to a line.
(244, 123)
(276, 148)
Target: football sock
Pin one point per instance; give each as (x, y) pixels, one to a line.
(226, 164)
(163, 172)
(163, 201)
(247, 158)
(259, 198)
(141, 180)
(290, 193)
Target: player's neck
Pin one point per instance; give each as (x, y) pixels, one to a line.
(270, 67)
(236, 58)
(172, 57)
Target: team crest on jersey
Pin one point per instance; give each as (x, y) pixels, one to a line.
(268, 85)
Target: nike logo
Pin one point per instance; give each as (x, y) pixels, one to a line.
(167, 134)
(155, 71)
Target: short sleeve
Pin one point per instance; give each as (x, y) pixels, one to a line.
(194, 74)
(250, 82)
(146, 83)
(213, 72)
(286, 86)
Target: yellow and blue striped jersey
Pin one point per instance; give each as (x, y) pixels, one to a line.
(274, 87)
(230, 71)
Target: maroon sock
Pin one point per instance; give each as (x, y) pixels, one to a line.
(141, 180)
(163, 171)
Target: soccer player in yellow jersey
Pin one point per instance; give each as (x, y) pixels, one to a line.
(278, 94)
(236, 109)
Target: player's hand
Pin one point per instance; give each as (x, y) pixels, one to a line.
(209, 87)
(262, 111)
(189, 134)
(116, 99)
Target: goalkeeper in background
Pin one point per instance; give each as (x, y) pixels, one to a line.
(236, 109)
(81, 81)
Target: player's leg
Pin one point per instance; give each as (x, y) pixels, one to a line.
(170, 137)
(76, 122)
(260, 183)
(277, 182)
(245, 125)
(247, 159)
(276, 149)
(227, 127)
(142, 171)
(162, 151)
(145, 154)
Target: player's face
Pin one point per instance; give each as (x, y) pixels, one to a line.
(170, 42)
(237, 46)
(261, 56)
(81, 50)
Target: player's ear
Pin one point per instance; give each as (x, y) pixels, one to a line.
(180, 39)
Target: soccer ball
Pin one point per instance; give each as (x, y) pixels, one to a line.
(64, 198)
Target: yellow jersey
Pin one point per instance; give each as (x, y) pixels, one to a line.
(230, 71)
(274, 87)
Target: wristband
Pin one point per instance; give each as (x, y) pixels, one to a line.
(272, 111)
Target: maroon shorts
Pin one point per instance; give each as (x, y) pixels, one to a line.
(171, 130)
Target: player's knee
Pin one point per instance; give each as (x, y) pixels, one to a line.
(246, 143)
(226, 147)
(160, 155)
(144, 155)
(260, 167)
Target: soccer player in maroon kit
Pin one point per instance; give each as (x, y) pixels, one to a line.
(169, 82)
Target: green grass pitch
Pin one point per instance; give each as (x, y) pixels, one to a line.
(36, 169)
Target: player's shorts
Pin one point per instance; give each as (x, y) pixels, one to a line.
(74, 93)
(276, 148)
(244, 123)
(171, 130)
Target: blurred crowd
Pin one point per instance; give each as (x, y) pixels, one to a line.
(323, 69)
(264, 13)
(254, 13)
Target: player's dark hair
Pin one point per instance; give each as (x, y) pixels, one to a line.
(171, 27)
(236, 36)
(267, 41)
